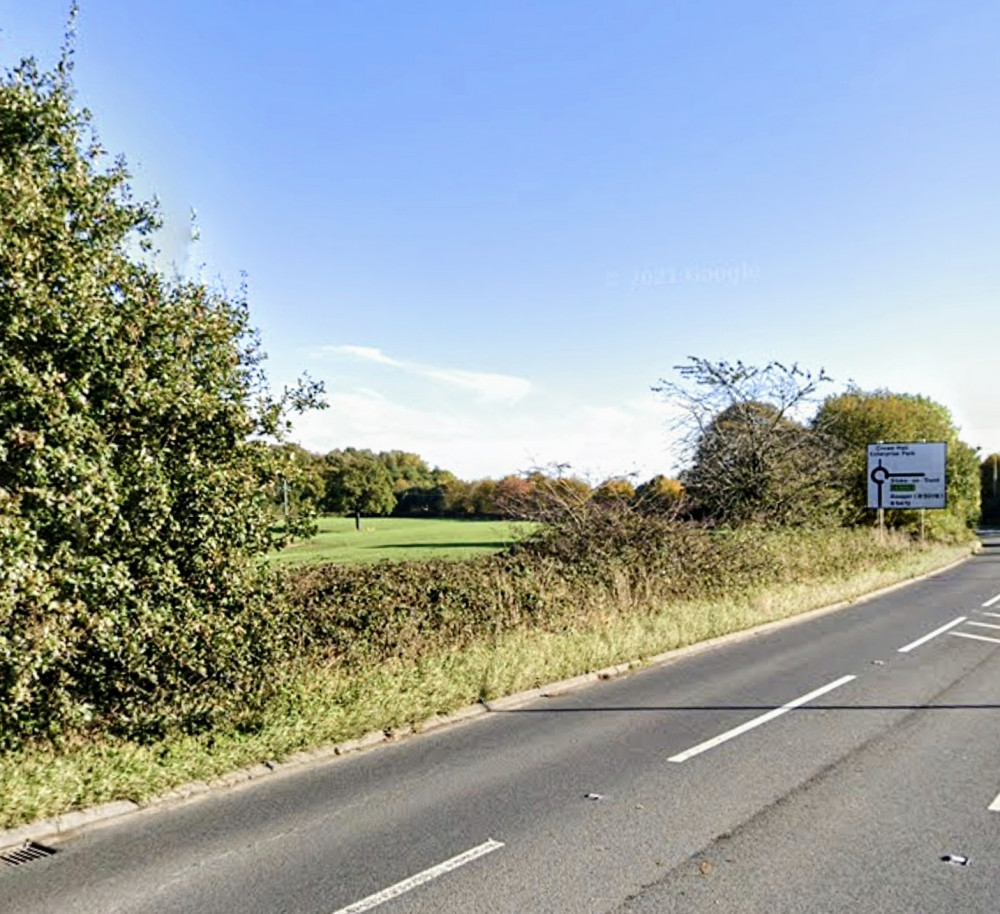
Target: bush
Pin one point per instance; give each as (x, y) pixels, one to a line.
(132, 501)
(572, 573)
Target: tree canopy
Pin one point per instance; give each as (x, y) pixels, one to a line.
(357, 482)
(858, 418)
(133, 469)
(755, 455)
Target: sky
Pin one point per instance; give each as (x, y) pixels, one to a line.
(490, 228)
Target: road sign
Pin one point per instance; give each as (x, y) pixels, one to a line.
(907, 475)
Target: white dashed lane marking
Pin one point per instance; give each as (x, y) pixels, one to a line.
(407, 885)
(757, 721)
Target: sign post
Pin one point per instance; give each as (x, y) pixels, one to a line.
(906, 476)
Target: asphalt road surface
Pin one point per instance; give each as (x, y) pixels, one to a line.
(846, 763)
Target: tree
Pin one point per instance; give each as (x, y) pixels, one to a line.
(514, 497)
(298, 488)
(483, 498)
(858, 418)
(133, 462)
(749, 459)
(545, 495)
(407, 470)
(455, 494)
(660, 495)
(614, 489)
(357, 483)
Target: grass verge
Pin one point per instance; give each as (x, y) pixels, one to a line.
(323, 704)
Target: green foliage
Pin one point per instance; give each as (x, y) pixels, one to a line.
(362, 481)
(132, 465)
(407, 470)
(357, 482)
(858, 418)
(438, 493)
(578, 572)
(297, 489)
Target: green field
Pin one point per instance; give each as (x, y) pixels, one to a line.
(400, 538)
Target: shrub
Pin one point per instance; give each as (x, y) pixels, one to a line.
(131, 461)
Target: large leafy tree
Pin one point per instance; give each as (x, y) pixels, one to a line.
(858, 418)
(133, 416)
(357, 483)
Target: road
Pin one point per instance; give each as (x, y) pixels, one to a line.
(829, 765)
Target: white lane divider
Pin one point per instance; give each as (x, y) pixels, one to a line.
(938, 631)
(991, 615)
(401, 888)
(992, 625)
(991, 601)
(995, 805)
(973, 637)
(757, 721)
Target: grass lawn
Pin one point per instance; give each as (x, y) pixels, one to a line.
(400, 538)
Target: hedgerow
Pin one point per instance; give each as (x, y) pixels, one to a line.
(568, 575)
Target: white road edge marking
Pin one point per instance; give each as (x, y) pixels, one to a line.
(975, 637)
(995, 805)
(992, 625)
(991, 601)
(400, 888)
(757, 721)
(938, 631)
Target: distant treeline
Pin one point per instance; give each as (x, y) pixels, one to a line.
(752, 457)
(402, 484)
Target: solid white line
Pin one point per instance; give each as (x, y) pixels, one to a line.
(975, 637)
(757, 721)
(400, 888)
(991, 615)
(995, 805)
(991, 601)
(985, 625)
(933, 634)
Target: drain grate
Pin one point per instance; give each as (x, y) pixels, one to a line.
(26, 853)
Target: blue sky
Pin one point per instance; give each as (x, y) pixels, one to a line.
(491, 227)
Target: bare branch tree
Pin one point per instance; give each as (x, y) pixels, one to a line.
(751, 458)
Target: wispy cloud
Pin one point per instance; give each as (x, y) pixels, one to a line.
(485, 385)
(476, 441)
(368, 353)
